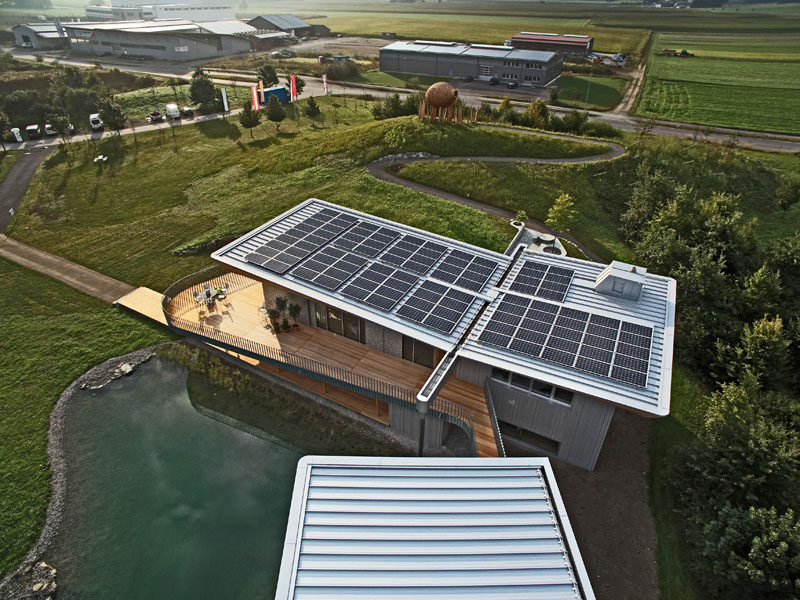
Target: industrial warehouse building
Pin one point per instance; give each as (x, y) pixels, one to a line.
(573, 45)
(479, 61)
(40, 36)
(168, 39)
(150, 11)
(288, 23)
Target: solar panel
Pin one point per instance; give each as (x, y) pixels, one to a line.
(380, 286)
(465, 269)
(330, 267)
(414, 254)
(367, 238)
(290, 247)
(593, 343)
(538, 279)
(436, 306)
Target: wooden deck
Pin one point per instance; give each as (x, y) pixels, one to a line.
(241, 314)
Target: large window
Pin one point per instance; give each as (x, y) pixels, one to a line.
(533, 386)
(416, 351)
(528, 438)
(340, 322)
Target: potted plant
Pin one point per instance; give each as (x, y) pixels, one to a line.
(274, 315)
(280, 303)
(294, 312)
(285, 325)
(521, 217)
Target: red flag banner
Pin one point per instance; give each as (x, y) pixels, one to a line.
(254, 90)
(293, 89)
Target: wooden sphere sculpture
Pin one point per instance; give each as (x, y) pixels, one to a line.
(441, 95)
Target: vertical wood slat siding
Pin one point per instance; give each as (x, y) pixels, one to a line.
(580, 428)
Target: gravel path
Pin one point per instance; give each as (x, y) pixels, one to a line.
(378, 170)
(83, 279)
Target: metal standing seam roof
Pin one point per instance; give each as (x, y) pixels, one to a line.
(655, 308)
(233, 255)
(138, 26)
(478, 51)
(412, 528)
(285, 21)
(226, 27)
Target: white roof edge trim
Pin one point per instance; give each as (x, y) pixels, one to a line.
(665, 391)
(566, 527)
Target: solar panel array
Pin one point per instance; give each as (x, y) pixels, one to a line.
(574, 338)
(289, 248)
(546, 281)
(330, 267)
(367, 239)
(380, 286)
(465, 269)
(414, 254)
(437, 306)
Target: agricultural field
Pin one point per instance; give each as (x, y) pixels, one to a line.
(739, 81)
(479, 28)
(397, 80)
(604, 93)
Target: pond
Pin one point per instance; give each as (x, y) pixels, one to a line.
(166, 502)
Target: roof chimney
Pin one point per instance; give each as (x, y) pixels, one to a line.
(621, 280)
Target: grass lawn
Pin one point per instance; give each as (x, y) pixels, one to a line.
(7, 160)
(604, 92)
(211, 180)
(397, 80)
(56, 333)
(532, 188)
(139, 104)
(741, 81)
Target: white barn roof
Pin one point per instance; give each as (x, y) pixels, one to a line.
(473, 50)
(411, 528)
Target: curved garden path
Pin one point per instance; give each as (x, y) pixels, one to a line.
(378, 170)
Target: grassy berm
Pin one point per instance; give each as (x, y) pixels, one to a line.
(160, 194)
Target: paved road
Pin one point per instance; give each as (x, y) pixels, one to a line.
(16, 182)
(473, 94)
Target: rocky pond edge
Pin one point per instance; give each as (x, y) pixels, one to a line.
(34, 579)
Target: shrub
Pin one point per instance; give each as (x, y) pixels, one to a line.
(604, 130)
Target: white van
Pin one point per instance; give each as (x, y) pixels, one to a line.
(95, 122)
(172, 111)
(16, 134)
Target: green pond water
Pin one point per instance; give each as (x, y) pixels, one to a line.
(166, 502)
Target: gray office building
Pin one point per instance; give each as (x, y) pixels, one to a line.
(479, 61)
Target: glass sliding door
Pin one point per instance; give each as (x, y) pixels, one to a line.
(352, 327)
(335, 324)
(418, 352)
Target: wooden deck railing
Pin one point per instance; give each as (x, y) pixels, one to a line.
(179, 299)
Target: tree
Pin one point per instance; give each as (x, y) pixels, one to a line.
(561, 214)
(537, 114)
(174, 83)
(268, 76)
(249, 118)
(521, 217)
(760, 294)
(4, 125)
(299, 84)
(201, 90)
(275, 112)
(281, 303)
(312, 109)
(294, 312)
(60, 122)
(651, 192)
(575, 121)
(112, 114)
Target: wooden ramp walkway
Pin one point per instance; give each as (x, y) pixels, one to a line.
(239, 315)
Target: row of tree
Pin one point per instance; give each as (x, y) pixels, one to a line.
(250, 118)
(737, 485)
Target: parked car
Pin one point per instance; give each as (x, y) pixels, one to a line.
(33, 132)
(26, 45)
(155, 117)
(187, 111)
(172, 111)
(49, 129)
(512, 85)
(468, 78)
(95, 122)
(494, 81)
(16, 134)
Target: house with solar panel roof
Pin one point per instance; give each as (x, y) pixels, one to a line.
(521, 353)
